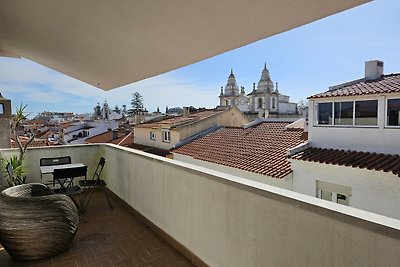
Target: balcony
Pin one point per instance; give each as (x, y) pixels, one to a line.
(212, 218)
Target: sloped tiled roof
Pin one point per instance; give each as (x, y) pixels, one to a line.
(181, 120)
(363, 160)
(150, 149)
(123, 139)
(260, 149)
(34, 143)
(385, 85)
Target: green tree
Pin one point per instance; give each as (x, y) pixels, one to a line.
(117, 110)
(137, 103)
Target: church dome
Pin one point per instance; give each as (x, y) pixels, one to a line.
(265, 85)
(231, 88)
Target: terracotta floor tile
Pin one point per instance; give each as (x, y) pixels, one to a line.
(109, 238)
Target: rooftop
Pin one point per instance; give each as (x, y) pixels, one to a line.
(260, 149)
(181, 120)
(123, 139)
(386, 84)
(362, 160)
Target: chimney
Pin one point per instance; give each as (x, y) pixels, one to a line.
(114, 134)
(373, 69)
(186, 111)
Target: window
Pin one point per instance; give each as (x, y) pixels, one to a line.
(324, 113)
(344, 113)
(366, 112)
(342, 199)
(326, 195)
(260, 102)
(152, 136)
(166, 135)
(353, 113)
(393, 112)
(1, 108)
(333, 192)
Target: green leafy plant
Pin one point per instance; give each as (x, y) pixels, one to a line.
(19, 173)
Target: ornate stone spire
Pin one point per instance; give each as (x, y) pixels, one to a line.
(265, 85)
(231, 88)
(276, 88)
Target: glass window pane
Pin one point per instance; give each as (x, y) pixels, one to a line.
(326, 195)
(367, 112)
(342, 199)
(393, 112)
(1, 109)
(344, 113)
(325, 113)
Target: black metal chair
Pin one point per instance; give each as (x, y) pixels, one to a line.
(54, 161)
(10, 171)
(65, 178)
(89, 186)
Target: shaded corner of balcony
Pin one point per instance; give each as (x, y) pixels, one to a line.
(110, 237)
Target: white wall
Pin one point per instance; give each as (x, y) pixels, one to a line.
(287, 108)
(86, 154)
(379, 139)
(229, 221)
(374, 191)
(285, 182)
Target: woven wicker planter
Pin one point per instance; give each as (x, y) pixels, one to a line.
(35, 223)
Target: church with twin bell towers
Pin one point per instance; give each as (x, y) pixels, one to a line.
(266, 98)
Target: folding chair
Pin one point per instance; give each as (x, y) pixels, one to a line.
(54, 161)
(65, 178)
(89, 185)
(62, 176)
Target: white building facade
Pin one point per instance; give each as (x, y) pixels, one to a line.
(352, 157)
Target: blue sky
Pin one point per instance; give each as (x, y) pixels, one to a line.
(303, 61)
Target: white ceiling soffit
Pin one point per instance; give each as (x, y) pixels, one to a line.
(113, 43)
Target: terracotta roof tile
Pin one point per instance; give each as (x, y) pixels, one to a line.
(356, 159)
(384, 85)
(123, 139)
(181, 120)
(261, 149)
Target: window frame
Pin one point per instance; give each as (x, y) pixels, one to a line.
(153, 136)
(316, 114)
(334, 190)
(386, 112)
(377, 114)
(353, 125)
(166, 135)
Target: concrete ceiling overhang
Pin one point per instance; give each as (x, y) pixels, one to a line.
(113, 43)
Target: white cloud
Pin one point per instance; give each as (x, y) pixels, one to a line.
(29, 82)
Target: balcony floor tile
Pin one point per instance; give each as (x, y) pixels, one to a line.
(110, 238)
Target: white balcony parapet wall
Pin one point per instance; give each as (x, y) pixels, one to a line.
(231, 221)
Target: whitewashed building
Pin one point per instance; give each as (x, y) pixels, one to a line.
(354, 141)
